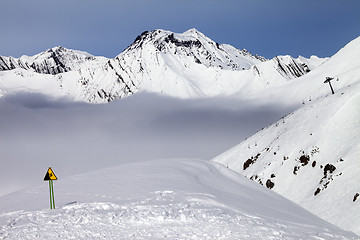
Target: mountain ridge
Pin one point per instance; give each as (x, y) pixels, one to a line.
(184, 65)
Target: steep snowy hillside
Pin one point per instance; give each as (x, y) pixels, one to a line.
(160, 199)
(182, 65)
(311, 156)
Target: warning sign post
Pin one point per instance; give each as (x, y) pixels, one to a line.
(50, 176)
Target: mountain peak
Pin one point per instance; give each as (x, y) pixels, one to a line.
(193, 32)
(62, 50)
(160, 35)
(196, 47)
(52, 61)
(58, 49)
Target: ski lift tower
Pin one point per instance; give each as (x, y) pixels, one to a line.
(328, 79)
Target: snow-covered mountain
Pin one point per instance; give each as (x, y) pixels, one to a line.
(159, 199)
(182, 65)
(311, 156)
(308, 156)
(53, 61)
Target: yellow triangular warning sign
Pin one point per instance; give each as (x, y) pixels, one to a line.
(50, 175)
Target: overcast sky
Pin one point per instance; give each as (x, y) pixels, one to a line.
(265, 27)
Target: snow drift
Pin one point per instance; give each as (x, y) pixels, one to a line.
(160, 199)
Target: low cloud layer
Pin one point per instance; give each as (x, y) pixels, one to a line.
(37, 132)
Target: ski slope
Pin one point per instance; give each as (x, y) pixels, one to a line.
(159, 199)
(311, 156)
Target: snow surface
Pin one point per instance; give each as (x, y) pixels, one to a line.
(160, 199)
(311, 155)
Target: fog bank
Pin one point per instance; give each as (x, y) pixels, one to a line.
(37, 132)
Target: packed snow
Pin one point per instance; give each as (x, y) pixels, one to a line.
(160, 199)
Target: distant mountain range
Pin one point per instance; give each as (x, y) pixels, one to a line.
(185, 65)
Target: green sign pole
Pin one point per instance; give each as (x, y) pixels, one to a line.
(50, 194)
(52, 190)
(50, 176)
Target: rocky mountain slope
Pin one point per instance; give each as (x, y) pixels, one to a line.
(311, 156)
(184, 65)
